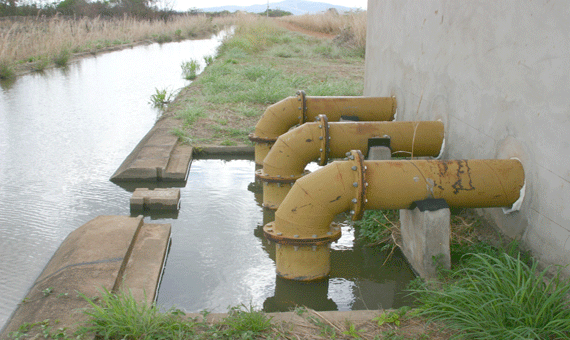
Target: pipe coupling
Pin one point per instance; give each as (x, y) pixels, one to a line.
(324, 138)
(302, 98)
(273, 234)
(359, 184)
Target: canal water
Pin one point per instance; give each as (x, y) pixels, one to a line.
(64, 132)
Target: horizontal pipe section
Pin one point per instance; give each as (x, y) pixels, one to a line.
(293, 150)
(285, 114)
(355, 185)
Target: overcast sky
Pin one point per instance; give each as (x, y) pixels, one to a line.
(187, 4)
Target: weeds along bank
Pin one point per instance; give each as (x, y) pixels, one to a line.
(261, 64)
(349, 28)
(36, 43)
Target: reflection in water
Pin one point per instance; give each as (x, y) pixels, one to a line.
(63, 133)
(220, 258)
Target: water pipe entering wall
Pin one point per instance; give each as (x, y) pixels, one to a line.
(321, 141)
(303, 228)
(294, 110)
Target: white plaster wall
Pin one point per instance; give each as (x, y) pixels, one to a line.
(497, 73)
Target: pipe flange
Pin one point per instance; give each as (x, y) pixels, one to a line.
(260, 175)
(324, 138)
(303, 108)
(274, 235)
(257, 139)
(356, 157)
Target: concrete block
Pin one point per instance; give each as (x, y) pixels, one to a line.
(379, 153)
(178, 164)
(426, 233)
(144, 268)
(157, 199)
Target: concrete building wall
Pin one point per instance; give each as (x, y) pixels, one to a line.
(497, 73)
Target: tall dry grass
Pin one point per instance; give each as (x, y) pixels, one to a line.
(350, 27)
(31, 39)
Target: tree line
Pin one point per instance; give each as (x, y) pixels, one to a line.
(152, 9)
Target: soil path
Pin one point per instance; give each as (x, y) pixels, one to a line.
(295, 28)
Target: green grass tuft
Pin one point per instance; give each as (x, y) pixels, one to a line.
(6, 71)
(190, 69)
(62, 58)
(120, 316)
(500, 297)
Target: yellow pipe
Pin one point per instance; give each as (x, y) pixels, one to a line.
(293, 150)
(308, 210)
(285, 114)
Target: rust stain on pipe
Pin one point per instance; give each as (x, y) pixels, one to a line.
(317, 198)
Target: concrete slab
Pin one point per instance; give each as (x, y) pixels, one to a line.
(157, 157)
(144, 268)
(97, 255)
(157, 199)
(89, 259)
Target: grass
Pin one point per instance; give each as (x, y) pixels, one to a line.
(248, 74)
(499, 296)
(27, 38)
(349, 28)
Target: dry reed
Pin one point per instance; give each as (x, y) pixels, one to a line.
(31, 39)
(350, 27)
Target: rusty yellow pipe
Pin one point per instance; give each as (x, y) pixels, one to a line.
(285, 114)
(304, 218)
(287, 159)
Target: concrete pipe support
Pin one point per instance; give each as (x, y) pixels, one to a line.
(285, 114)
(286, 161)
(303, 225)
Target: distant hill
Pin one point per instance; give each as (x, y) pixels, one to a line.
(297, 7)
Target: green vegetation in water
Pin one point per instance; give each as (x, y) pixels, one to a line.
(190, 69)
(497, 295)
(161, 98)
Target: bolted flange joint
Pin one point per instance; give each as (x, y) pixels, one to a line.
(302, 98)
(324, 138)
(274, 235)
(359, 183)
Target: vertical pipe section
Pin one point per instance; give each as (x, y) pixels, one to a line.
(308, 210)
(287, 159)
(285, 114)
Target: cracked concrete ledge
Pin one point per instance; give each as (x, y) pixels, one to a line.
(108, 252)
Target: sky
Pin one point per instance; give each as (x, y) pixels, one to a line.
(187, 4)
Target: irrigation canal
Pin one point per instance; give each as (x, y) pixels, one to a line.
(63, 133)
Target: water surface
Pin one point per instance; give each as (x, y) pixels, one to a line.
(63, 133)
